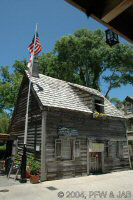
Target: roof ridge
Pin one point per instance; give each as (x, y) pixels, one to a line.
(70, 83)
(58, 93)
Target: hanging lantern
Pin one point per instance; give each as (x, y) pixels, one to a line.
(111, 38)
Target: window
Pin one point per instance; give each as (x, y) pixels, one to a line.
(130, 146)
(58, 148)
(128, 108)
(67, 149)
(129, 125)
(99, 106)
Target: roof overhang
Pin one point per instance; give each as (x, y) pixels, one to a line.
(117, 15)
(6, 137)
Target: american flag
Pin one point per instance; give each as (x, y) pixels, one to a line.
(35, 47)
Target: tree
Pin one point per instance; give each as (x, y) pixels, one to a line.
(78, 58)
(85, 58)
(118, 103)
(9, 84)
(4, 122)
(120, 66)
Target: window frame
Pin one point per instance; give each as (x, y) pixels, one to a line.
(77, 158)
(73, 140)
(101, 107)
(57, 142)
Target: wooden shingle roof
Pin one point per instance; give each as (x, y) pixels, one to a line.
(129, 116)
(57, 93)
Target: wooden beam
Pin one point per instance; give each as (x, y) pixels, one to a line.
(101, 21)
(75, 5)
(117, 10)
(43, 148)
(88, 158)
(111, 28)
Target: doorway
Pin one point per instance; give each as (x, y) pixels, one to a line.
(95, 162)
(95, 157)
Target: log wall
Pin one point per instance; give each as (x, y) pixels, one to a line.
(34, 121)
(109, 130)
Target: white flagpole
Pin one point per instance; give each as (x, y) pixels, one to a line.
(24, 157)
(28, 98)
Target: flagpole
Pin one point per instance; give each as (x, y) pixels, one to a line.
(28, 99)
(24, 156)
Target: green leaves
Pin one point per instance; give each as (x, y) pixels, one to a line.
(34, 165)
(79, 58)
(10, 83)
(4, 122)
(118, 103)
(83, 58)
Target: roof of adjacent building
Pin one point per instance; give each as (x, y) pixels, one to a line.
(129, 98)
(115, 14)
(57, 93)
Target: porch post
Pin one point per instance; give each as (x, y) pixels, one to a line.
(43, 148)
(102, 154)
(125, 125)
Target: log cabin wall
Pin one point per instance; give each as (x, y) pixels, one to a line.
(34, 123)
(111, 132)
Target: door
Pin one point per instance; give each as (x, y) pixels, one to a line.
(95, 162)
(95, 157)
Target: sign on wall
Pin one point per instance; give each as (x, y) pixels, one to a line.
(65, 131)
(96, 147)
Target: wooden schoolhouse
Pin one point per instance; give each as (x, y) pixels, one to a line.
(73, 130)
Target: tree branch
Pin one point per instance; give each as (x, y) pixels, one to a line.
(109, 89)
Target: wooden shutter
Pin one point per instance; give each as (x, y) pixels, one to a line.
(66, 149)
(58, 148)
(76, 149)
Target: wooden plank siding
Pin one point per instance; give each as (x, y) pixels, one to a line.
(34, 122)
(111, 130)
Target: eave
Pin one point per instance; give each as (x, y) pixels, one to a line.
(117, 15)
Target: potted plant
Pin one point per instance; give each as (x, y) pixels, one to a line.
(34, 167)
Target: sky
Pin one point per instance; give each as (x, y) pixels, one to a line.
(55, 18)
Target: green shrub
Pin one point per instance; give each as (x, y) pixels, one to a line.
(34, 165)
(3, 148)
